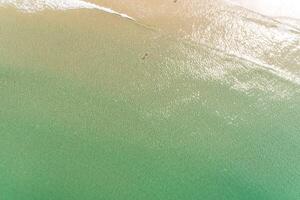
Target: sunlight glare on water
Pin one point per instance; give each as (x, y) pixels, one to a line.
(279, 8)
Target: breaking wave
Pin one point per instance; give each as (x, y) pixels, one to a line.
(39, 5)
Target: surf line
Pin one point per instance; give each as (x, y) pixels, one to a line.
(39, 5)
(109, 10)
(31, 6)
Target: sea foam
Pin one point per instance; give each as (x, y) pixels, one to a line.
(39, 5)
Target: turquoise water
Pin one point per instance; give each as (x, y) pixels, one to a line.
(211, 113)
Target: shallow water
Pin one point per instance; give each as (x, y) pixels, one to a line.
(212, 112)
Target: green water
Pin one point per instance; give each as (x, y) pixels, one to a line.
(83, 116)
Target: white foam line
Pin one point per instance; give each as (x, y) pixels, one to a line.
(39, 5)
(113, 12)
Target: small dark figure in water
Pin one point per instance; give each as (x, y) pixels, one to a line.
(145, 56)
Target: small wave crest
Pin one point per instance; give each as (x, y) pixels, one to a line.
(39, 5)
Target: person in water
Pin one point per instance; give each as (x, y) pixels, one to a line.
(145, 56)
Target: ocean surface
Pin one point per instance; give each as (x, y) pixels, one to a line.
(139, 99)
